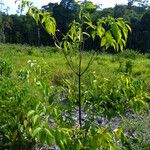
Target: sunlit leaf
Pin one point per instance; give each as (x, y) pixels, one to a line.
(103, 41)
(30, 113)
(36, 131)
(35, 118)
(116, 32)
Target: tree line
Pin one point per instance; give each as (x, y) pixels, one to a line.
(23, 29)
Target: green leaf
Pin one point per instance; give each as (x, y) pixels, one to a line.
(36, 17)
(48, 26)
(90, 25)
(30, 113)
(58, 139)
(100, 31)
(49, 136)
(43, 19)
(35, 118)
(121, 45)
(89, 5)
(42, 136)
(30, 12)
(125, 32)
(116, 32)
(123, 42)
(65, 46)
(112, 147)
(25, 123)
(36, 131)
(117, 133)
(109, 39)
(129, 28)
(93, 35)
(103, 41)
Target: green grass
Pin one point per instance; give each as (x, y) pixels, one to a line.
(105, 65)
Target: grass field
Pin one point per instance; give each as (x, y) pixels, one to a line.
(104, 65)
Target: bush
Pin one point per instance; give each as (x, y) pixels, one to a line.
(128, 54)
(5, 67)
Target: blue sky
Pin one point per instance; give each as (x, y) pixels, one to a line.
(105, 3)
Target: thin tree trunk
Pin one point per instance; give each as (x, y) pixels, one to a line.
(79, 101)
(39, 38)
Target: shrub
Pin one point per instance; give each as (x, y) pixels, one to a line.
(5, 67)
(128, 54)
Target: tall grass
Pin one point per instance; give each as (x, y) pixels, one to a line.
(52, 60)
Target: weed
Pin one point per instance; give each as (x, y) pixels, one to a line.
(137, 127)
(5, 67)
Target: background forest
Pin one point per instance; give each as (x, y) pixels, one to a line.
(23, 29)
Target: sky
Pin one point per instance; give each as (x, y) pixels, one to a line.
(105, 3)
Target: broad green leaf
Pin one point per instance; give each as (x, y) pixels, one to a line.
(36, 17)
(117, 47)
(125, 32)
(100, 31)
(121, 45)
(44, 19)
(36, 132)
(42, 136)
(49, 136)
(116, 32)
(35, 118)
(90, 24)
(109, 39)
(107, 45)
(113, 44)
(93, 35)
(120, 23)
(30, 12)
(48, 26)
(123, 42)
(129, 28)
(30, 113)
(103, 41)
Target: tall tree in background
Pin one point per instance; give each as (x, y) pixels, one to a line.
(68, 7)
(2, 35)
(141, 3)
(145, 24)
(68, 4)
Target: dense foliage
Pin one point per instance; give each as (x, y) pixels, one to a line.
(37, 103)
(22, 28)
